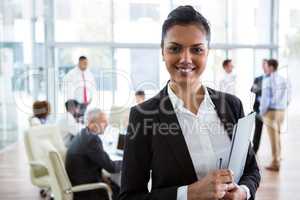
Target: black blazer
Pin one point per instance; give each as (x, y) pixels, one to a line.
(86, 158)
(155, 143)
(256, 89)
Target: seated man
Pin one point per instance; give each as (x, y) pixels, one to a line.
(86, 158)
(68, 123)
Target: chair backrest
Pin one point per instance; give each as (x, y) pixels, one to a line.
(35, 171)
(33, 121)
(28, 146)
(40, 139)
(119, 117)
(60, 183)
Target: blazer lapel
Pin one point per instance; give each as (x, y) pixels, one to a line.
(175, 138)
(223, 110)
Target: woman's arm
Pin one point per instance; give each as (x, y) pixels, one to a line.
(137, 162)
(251, 175)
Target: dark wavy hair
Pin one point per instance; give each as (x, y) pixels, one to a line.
(273, 63)
(185, 15)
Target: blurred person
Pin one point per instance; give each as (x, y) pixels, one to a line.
(256, 89)
(139, 96)
(79, 84)
(176, 138)
(274, 101)
(69, 121)
(86, 158)
(228, 82)
(41, 111)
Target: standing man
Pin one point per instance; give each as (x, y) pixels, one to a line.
(274, 101)
(79, 84)
(227, 84)
(256, 89)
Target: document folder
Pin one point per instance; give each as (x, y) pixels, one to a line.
(242, 135)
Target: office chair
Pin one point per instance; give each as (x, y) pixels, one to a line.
(39, 175)
(38, 140)
(60, 182)
(48, 134)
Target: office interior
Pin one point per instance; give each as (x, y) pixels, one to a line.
(41, 40)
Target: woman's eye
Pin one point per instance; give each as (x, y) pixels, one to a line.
(197, 50)
(174, 49)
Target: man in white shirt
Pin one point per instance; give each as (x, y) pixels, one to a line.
(68, 123)
(228, 82)
(79, 84)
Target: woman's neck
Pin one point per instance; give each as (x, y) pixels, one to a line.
(191, 94)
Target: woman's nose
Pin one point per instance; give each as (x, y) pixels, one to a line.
(185, 56)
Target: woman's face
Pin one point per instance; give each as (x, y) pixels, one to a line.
(185, 53)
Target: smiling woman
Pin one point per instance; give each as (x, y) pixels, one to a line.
(185, 52)
(179, 135)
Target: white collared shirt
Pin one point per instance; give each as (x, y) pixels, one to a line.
(205, 136)
(68, 125)
(73, 85)
(228, 83)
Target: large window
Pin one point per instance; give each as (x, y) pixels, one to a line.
(289, 51)
(249, 22)
(139, 21)
(83, 21)
(136, 69)
(215, 12)
(100, 64)
(41, 42)
(243, 67)
(22, 80)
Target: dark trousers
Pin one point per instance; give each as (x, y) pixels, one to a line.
(91, 195)
(98, 194)
(257, 132)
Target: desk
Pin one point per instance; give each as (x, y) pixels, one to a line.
(116, 177)
(109, 140)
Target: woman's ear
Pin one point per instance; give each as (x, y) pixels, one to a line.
(162, 53)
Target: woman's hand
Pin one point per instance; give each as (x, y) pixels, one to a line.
(235, 193)
(212, 187)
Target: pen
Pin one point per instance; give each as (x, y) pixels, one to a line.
(220, 163)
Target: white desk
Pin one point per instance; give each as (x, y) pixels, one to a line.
(109, 140)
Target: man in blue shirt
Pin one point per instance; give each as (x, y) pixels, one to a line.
(256, 89)
(274, 101)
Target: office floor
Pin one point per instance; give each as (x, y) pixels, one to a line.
(8, 137)
(283, 185)
(14, 175)
(15, 182)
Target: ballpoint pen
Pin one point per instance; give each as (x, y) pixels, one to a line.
(220, 163)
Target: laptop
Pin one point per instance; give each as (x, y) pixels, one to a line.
(120, 144)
